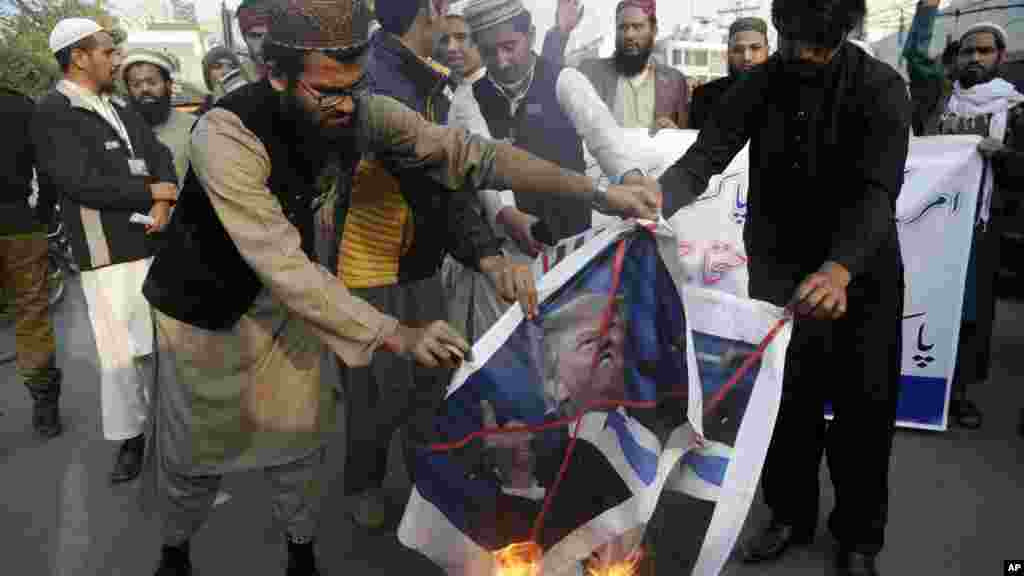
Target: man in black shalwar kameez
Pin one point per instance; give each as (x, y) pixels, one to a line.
(828, 128)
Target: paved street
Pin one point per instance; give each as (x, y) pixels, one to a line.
(957, 506)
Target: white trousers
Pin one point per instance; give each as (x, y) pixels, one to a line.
(123, 329)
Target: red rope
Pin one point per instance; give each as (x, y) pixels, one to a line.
(618, 263)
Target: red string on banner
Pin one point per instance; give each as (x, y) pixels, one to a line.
(618, 263)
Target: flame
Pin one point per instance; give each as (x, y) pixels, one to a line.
(628, 567)
(519, 559)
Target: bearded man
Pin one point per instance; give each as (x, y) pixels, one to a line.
(822, 118)
(242, 311)
(639, 91)
(748, 47)
(985, 105)
(148, 75)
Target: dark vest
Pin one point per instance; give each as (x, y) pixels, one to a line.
(542, 129)
(199, 277)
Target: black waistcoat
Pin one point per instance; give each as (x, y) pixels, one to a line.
(199, 277)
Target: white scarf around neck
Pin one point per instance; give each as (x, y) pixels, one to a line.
(994, 97)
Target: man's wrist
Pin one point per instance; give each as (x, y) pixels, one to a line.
(492, 265)
(395, 342)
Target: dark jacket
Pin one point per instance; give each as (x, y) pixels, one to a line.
(199, 277)
(83, 162)
(16, 161)
(705, 100)
(826, 169)
(540, 127)
(437, 221)
(671, 92)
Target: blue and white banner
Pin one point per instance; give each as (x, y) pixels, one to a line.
(936, 212)
(617, 390)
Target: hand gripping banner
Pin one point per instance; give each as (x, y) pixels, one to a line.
(558, 440)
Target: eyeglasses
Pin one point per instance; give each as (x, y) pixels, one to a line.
(329, 99)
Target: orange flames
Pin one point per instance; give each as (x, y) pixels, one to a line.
(519, 559)
(524, 559)
(628, 567)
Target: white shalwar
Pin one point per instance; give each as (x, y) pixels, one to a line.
(122, 326)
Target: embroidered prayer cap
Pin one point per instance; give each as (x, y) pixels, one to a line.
(253, 13)
(748, 24)
(142, 55)
(483, 14)
(649, 7)
(320, 25)
(992, 27)
(71, 30)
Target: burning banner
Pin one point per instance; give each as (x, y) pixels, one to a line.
(559, 438)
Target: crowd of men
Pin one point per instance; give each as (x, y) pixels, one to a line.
(346, 190)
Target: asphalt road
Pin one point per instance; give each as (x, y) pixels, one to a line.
(956, 505)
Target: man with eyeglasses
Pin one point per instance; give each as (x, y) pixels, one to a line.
(242, 311)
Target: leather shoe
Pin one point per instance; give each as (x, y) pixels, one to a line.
(46, 419)
(855, 564)
(301, 560)
(773, 542)
(129, 460)
(174, 561)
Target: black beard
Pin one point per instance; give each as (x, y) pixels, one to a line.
(316, 143)
(155, 111)
(629, 65)
(974, 74)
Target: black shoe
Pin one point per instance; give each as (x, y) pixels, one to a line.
(301, 560)
(855, 564)
(773, 542)
(174, 561)
(129, 460)
(967, 414)
(46, 418)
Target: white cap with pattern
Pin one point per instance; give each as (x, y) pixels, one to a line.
(71, 30)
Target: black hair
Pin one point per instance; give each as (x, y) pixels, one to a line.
(399, 22)
(163, 71)
(820, 23)
(64, 55)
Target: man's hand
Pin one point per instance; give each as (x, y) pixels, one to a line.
(164, 192)
(932, 3)
(512, 282)
(161, 215)
(435, 345)
(325, 219)
(990, 148)
(637, 197)
(517, 225)
(663, 123)
(568, 15)
(822, 295)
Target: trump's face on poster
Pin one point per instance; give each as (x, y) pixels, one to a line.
(584, 345)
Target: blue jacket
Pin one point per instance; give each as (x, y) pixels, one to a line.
(540, 127)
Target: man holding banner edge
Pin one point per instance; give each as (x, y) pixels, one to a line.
(821, 116)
